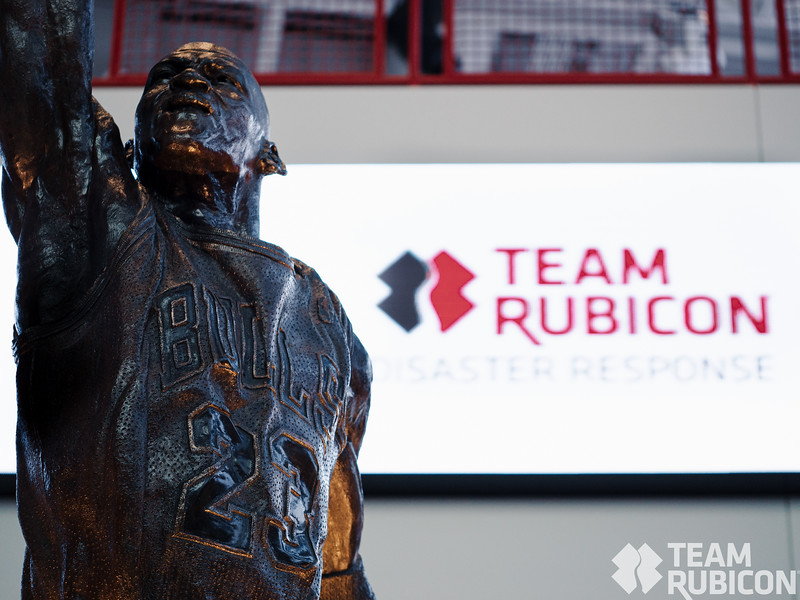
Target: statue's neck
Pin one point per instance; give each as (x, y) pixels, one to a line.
(222, 201)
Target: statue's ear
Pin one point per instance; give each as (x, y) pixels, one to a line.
(129, 153)
(269, 162)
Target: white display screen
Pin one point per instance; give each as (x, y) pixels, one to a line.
(538, 319)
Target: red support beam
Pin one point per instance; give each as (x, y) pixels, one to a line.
(379, 40)
(783, 38)
(713, 38)
(414, 40)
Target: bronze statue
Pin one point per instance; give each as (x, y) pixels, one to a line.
(191, 399)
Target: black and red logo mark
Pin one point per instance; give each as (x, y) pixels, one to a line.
(406, 276)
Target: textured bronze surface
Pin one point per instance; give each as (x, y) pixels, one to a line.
(191, 399)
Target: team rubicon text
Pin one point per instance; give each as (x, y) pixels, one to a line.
(538, 295)
(696, 569)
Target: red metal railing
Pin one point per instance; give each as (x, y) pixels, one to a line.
(474, 41)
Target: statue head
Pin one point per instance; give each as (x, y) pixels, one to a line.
(202, 137)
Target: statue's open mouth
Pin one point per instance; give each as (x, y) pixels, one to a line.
(184, 102)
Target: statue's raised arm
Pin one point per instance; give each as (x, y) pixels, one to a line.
(45, 71)
(63, 163)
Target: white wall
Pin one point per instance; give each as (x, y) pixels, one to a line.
(557, 123)
(555, 549)
(465, 550)
(527, 549)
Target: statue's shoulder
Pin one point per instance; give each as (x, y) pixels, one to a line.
(303, 270)
(328, 302)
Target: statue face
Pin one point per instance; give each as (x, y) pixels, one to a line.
(201, 112)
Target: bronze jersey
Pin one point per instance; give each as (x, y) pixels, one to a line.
(179, 431)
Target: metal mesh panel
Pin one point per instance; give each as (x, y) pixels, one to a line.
(581, 36)
(447, 41)
(730, 38)
(792, 8)
(764, 19)
(271, 36)
(316, 42)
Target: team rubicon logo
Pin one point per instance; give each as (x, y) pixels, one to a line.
(407, 274)
(536, 294)
(637, 568)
